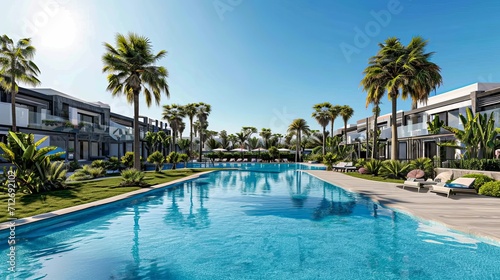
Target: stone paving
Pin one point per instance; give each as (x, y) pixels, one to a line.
(474, 214)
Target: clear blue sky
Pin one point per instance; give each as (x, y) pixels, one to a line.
(258, 63)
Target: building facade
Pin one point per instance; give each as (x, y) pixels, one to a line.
(85, 130)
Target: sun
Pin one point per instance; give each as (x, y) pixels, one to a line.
(60, 30)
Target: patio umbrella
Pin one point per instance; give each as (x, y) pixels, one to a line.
(284, 150)
(239, 150)
(259, 150)
(219, 150)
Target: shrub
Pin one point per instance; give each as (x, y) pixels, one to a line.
(476, 164)
(173, 158)
(424, 164)
(128, 159)
(74, 165)
(361, 162)
(329, 159)
(373, 166)
(133, 177)
(157, 159)
(394, 169)
(113, 164)
(54, 175)
(88, 172)
(99, 164)
(481, 179)
(490, 189)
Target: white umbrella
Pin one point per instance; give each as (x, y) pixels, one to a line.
(239, 150)
(259, 150)
(219, 150)
(284, 150)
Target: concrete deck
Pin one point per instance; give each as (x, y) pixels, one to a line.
(473, 214)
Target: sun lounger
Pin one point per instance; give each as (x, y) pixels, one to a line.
(285, 160)
(232, 160)
(460, 185)
(239, 160)
(417, 184)
(339, 166)
(245, 160)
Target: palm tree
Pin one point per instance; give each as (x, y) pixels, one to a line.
(334, 112)
(346, 113)
(298, 126)
(375, 92)
(404, 71)
(202, 114)
(174, 114)
(322, 115)
(266, 134)
(131, 70)
(190, 110)
(16, 65)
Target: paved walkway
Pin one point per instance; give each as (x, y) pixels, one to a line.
(473, 214)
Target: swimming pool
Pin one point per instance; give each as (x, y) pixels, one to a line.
(268, 222)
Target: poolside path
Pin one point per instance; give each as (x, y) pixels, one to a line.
(473, 214)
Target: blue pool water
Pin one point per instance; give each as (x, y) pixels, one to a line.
(266, 222)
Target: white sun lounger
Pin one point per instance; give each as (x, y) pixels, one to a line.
(460, 185)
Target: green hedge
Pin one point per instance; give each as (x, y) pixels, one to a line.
(490, 189)
(481, 179)
(476, 164)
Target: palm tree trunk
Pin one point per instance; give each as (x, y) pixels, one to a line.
(394, 140)
(375, 137)
(191, 137)
(13, 104)
(298, 145)
(345, 132)
(201, 141)
(324, 136)
(137, 155)
(331, 129)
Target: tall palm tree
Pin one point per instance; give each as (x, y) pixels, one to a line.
(16, 65)
(190, 110)
(131, 70)
(322, 115)
(402, 71)
(346, 113)
(298, 126)
(174, 114)
(202, 114)
(334, 112)
(266, 134)
(375, 92)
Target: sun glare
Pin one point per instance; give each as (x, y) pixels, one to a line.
(60, 32)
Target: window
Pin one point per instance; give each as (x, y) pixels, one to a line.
(65, 111)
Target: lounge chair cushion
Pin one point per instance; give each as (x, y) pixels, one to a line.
(456, 186)
(443, 176)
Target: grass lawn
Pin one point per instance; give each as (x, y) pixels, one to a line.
(373, 178)
(77, 193)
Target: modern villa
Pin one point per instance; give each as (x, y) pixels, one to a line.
(415, 141)
(91, 130)
(87, 130)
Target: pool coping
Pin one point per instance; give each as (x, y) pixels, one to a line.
(472, 215)
(89, 205)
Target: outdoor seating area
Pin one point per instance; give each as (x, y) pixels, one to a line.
(344, 167)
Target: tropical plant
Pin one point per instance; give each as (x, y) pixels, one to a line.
(202, 114)
(98, 163)
(273, 152)
(184, 145)
(16, 65)
(298, 127)
(74, 165)
(334, 111)
(322, 115)
(373, 167)
(173, 114)
(394, 169)
(490, 189)
(266, 135)
(184, 158)
(128, 159)
(87, 172)
(131, 70)
(346, 113)
(403, 71)
(424, 164)
(253, 143)
(434, 126)
(191, 110)
(157, 159)
(375, 92)
(212, 144)
(29, 160)
(329, 159)
(133, 178)
(173, 158)
(480, 180)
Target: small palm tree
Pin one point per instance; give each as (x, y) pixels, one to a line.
(131, 70)
(334, 113)
(375, 92)
(16, 65)
(191, 109)
(346, 112)
(298, 126)
(174, 114)
(202, 114)
(322, 115)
